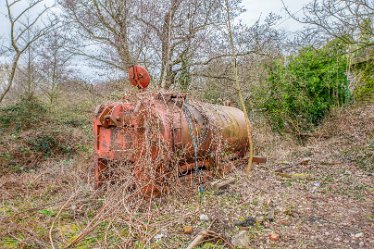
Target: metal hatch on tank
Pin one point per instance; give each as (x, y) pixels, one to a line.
(163, 134)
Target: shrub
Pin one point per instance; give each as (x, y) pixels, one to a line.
(49, 144)
(300, 91)
(364, 74)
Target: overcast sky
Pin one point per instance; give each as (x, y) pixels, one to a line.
(255, 8)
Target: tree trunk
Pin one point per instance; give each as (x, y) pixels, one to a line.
(238, 88)
(167, 77)
(11, 76)
(29, 91)
(166, 67)
(124, 48)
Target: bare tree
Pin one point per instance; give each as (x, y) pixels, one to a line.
(4, 71)
(346, 20)
(186, 32)
(28, 73)
(105, 24)
(54, 63)
(255, 47)
(18, 35)
(165, 36)
(166, 40)
(175, 39)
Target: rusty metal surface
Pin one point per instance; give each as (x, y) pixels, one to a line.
(121, 134)
(139, 77)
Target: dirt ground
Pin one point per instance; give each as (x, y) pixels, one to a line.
(316, 195)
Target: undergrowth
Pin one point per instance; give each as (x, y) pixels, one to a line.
(22, 115)
(30, 135)
(302, 89)
(60, 145)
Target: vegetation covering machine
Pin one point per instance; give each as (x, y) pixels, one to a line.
(159, 135)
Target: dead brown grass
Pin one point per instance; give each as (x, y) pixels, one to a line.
(323, 202)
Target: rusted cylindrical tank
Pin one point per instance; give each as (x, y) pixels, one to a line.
(171, 131)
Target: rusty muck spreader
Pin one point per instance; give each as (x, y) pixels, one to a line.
(161, 135)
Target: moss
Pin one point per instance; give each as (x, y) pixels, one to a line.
(6, 210)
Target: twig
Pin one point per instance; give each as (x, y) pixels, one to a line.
(203, 235)
(199, 239)
(83, 234)
(218, 236)
(54, 220)
(223, 183)
(89, 228)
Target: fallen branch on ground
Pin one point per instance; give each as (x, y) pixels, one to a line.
(204, 235)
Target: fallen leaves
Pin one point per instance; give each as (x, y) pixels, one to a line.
(274, 236)
(187, 229)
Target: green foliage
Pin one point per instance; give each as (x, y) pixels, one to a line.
(363, 63)
(184, 77)
(75, 122)
(9, 242)
(213, 95)
(364, 73)
(49, 144)
(300, 91)
(46, 212)
(43, 144)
